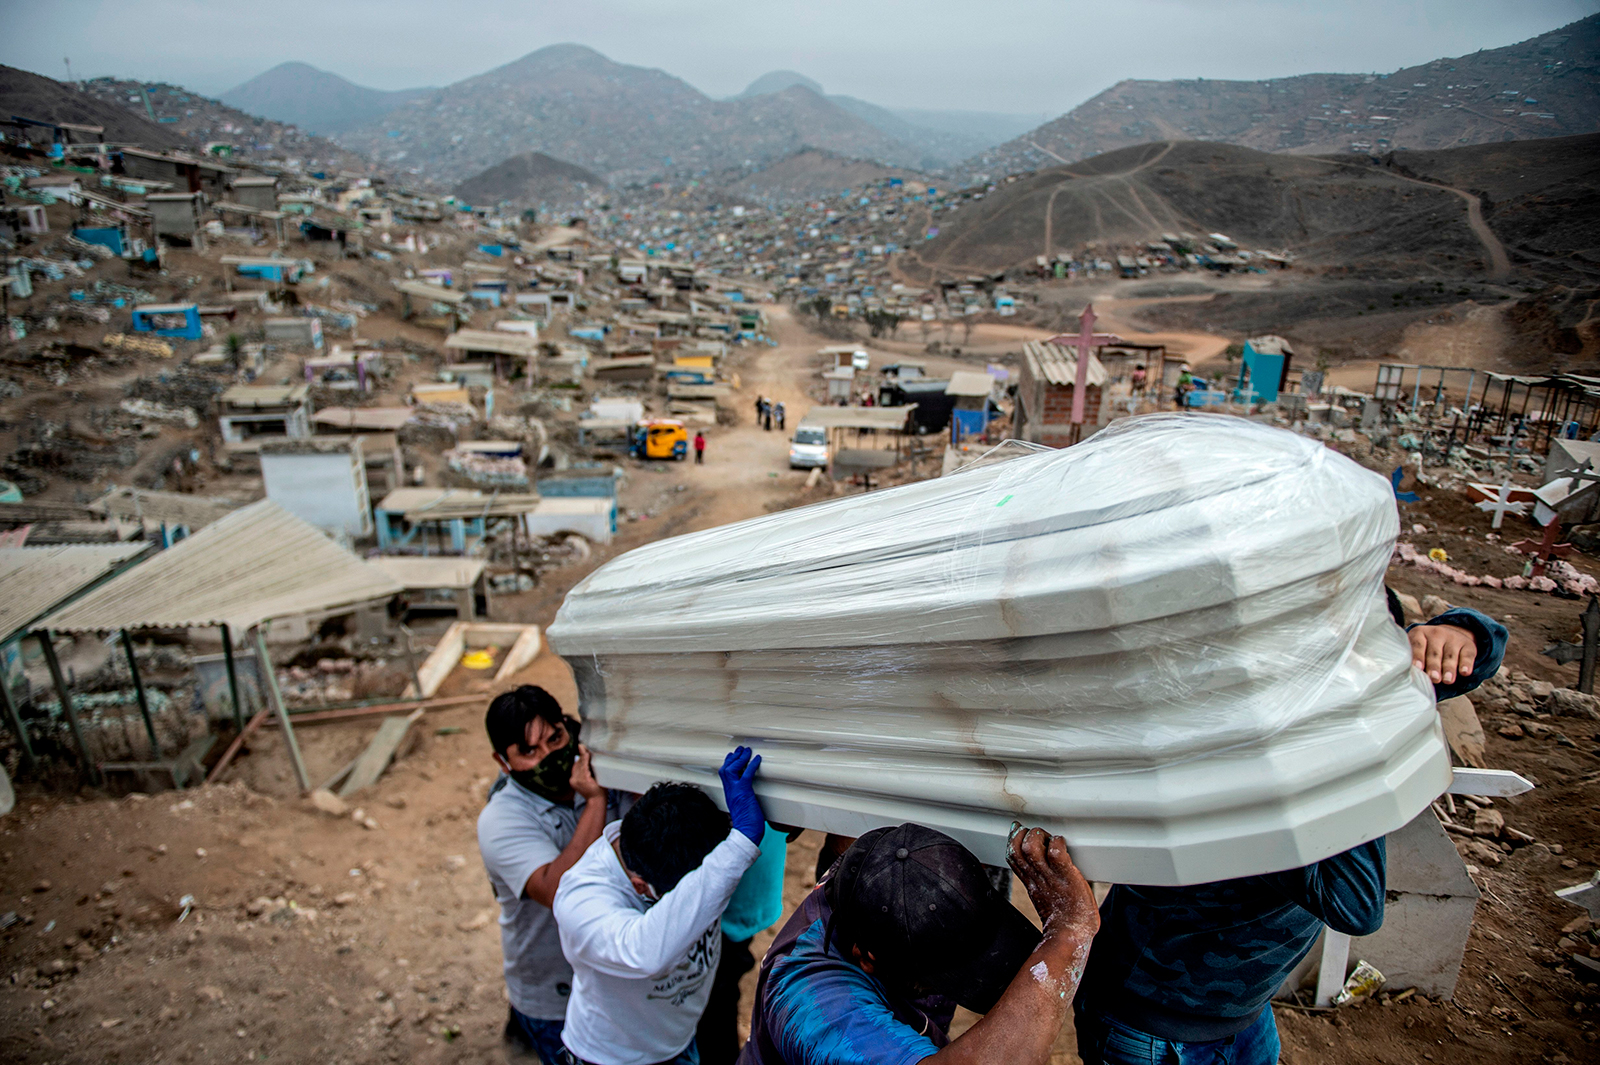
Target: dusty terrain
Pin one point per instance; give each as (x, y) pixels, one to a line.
(236, 923)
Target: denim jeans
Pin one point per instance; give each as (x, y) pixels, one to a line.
(1105, 1042)
(542, 1036)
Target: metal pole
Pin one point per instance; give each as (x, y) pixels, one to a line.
(65, 695)
(144, 702)
(264, 663)
(233, 677)
(29, 759)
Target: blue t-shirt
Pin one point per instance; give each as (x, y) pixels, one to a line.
(824, 1010)
(815, 1007)
(757, 902)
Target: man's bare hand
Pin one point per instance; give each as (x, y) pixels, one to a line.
(1443, 652)
(582, 778)
(1059, 892)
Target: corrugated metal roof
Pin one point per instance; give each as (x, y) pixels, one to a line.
(390, 418)
(432, 572)
(1059, 365)
(890, 418)
(175, 508)
(448, 504)
(423, 290)
(488, 340)
(969, 383)
(34, 580)
(257, 563)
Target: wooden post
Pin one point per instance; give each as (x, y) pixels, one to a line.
(1591, 636)
(138, 692)
(29, 759)
(65, 695)
(233, 677)
(264, 664)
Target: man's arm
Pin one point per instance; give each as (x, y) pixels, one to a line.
(1025, 1022)
(541, 886)
(624, 942)
(1345, 892)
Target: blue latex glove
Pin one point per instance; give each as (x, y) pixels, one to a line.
(738, 775)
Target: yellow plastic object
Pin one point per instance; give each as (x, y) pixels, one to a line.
(478, 659)
(1438, 555)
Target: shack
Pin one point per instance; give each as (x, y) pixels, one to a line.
(435, 586)
(446, 521)
(168, 320)
(255, 190)
(1263, 369)
(322, 480)
(294, 332)
(1044, 394)
(251, 412)
(504, 350)
(178, 216)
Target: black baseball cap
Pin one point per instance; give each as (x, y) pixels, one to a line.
(925, 908)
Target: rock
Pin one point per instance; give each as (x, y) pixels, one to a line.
(1565, 702)
(329, 803)
(455, 862)
(210, 993)
(346, 898)
(1578, 925)
(1433, 606)
(42, 886)
(257, 906)
(1540, 689)
(479, 920)
(1489, 823)
(1513, 731)
(1536, 730)
(1480, 852)
(1409, 604)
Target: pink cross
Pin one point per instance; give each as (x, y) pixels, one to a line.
(1086, 340)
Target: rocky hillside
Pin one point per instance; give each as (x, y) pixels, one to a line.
(625, 123)
(46, 100)
(200, 120)
(315, 100)
(812, 174)
(1347, 214)
(1548, 86)
(529, 179)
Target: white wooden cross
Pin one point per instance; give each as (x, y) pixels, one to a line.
(1503, 504)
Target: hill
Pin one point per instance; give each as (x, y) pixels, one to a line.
(34, 96)
(1347, 213)
(813, 173)
(1543, 87)
(623, 122)
(942, 137)
(531, 178)
(315, 100)
(201, 120)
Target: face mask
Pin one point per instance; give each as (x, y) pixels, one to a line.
(552, 777)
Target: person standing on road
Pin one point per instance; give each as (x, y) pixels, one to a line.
(779, 412)
(541, 817)
(870, 967)
(640, 918)
(699, 448)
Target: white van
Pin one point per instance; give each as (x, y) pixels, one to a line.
(809, 448)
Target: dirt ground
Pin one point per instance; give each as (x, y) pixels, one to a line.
(237, 923)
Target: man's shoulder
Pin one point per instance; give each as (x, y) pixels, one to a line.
(512, 807)
(589, 881)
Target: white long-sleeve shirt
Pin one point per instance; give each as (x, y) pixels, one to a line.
(641, 973)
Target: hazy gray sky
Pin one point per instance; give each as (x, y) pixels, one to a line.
(1026, 56)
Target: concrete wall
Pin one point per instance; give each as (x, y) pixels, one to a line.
(327, 489)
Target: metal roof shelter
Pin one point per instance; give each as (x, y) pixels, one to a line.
(891, 419)
(440, 572)
(436, 293)
(1059, 366)
(498, 343)
(258, 563)
(36, 580)
(969, 383)
(446, 504)
(382, 419)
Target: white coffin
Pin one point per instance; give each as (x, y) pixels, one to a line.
(1168, 643)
